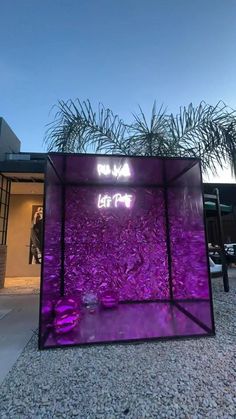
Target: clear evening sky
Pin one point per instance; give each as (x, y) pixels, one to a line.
(123, 53)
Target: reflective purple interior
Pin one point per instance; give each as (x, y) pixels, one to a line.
(124, 240)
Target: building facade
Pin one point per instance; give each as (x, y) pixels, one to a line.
(21, 208)
(21, 199)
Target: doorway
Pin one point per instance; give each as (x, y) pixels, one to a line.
(23, 233)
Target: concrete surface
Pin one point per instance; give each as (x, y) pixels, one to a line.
(21, 285)
(17, 325)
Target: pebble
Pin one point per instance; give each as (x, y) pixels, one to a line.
(191, 379)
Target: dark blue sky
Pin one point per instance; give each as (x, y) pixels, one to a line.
(120, 52)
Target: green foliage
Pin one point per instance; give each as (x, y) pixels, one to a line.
(204, 131)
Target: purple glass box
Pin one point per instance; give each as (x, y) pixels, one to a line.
(125, 255)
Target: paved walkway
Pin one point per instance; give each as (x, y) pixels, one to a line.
(18, 321)
(21, 285)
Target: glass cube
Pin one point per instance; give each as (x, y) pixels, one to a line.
(125, 253)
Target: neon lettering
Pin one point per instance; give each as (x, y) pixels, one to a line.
(114, 201)
(115, 170)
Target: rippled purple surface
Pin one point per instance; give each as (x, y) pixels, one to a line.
(121, 252)
(120, 249)
(187, 236)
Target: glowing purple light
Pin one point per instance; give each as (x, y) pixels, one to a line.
(109, 253)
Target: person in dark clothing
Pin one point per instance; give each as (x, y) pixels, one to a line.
(36, 236)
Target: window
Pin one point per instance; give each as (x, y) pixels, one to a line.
(5, 186)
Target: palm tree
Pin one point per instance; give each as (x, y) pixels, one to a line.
(204, 131)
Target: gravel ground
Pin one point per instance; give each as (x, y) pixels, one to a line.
(174, 379)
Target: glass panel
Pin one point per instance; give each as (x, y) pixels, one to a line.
(130, 322)
(190, 274)
(51, 263)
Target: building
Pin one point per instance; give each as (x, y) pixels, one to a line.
(227, 194)
(21, 195)
(21, 208)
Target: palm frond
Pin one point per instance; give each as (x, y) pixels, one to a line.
(207, 132)
(78, 128)
(204, 131)
(150, 139)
